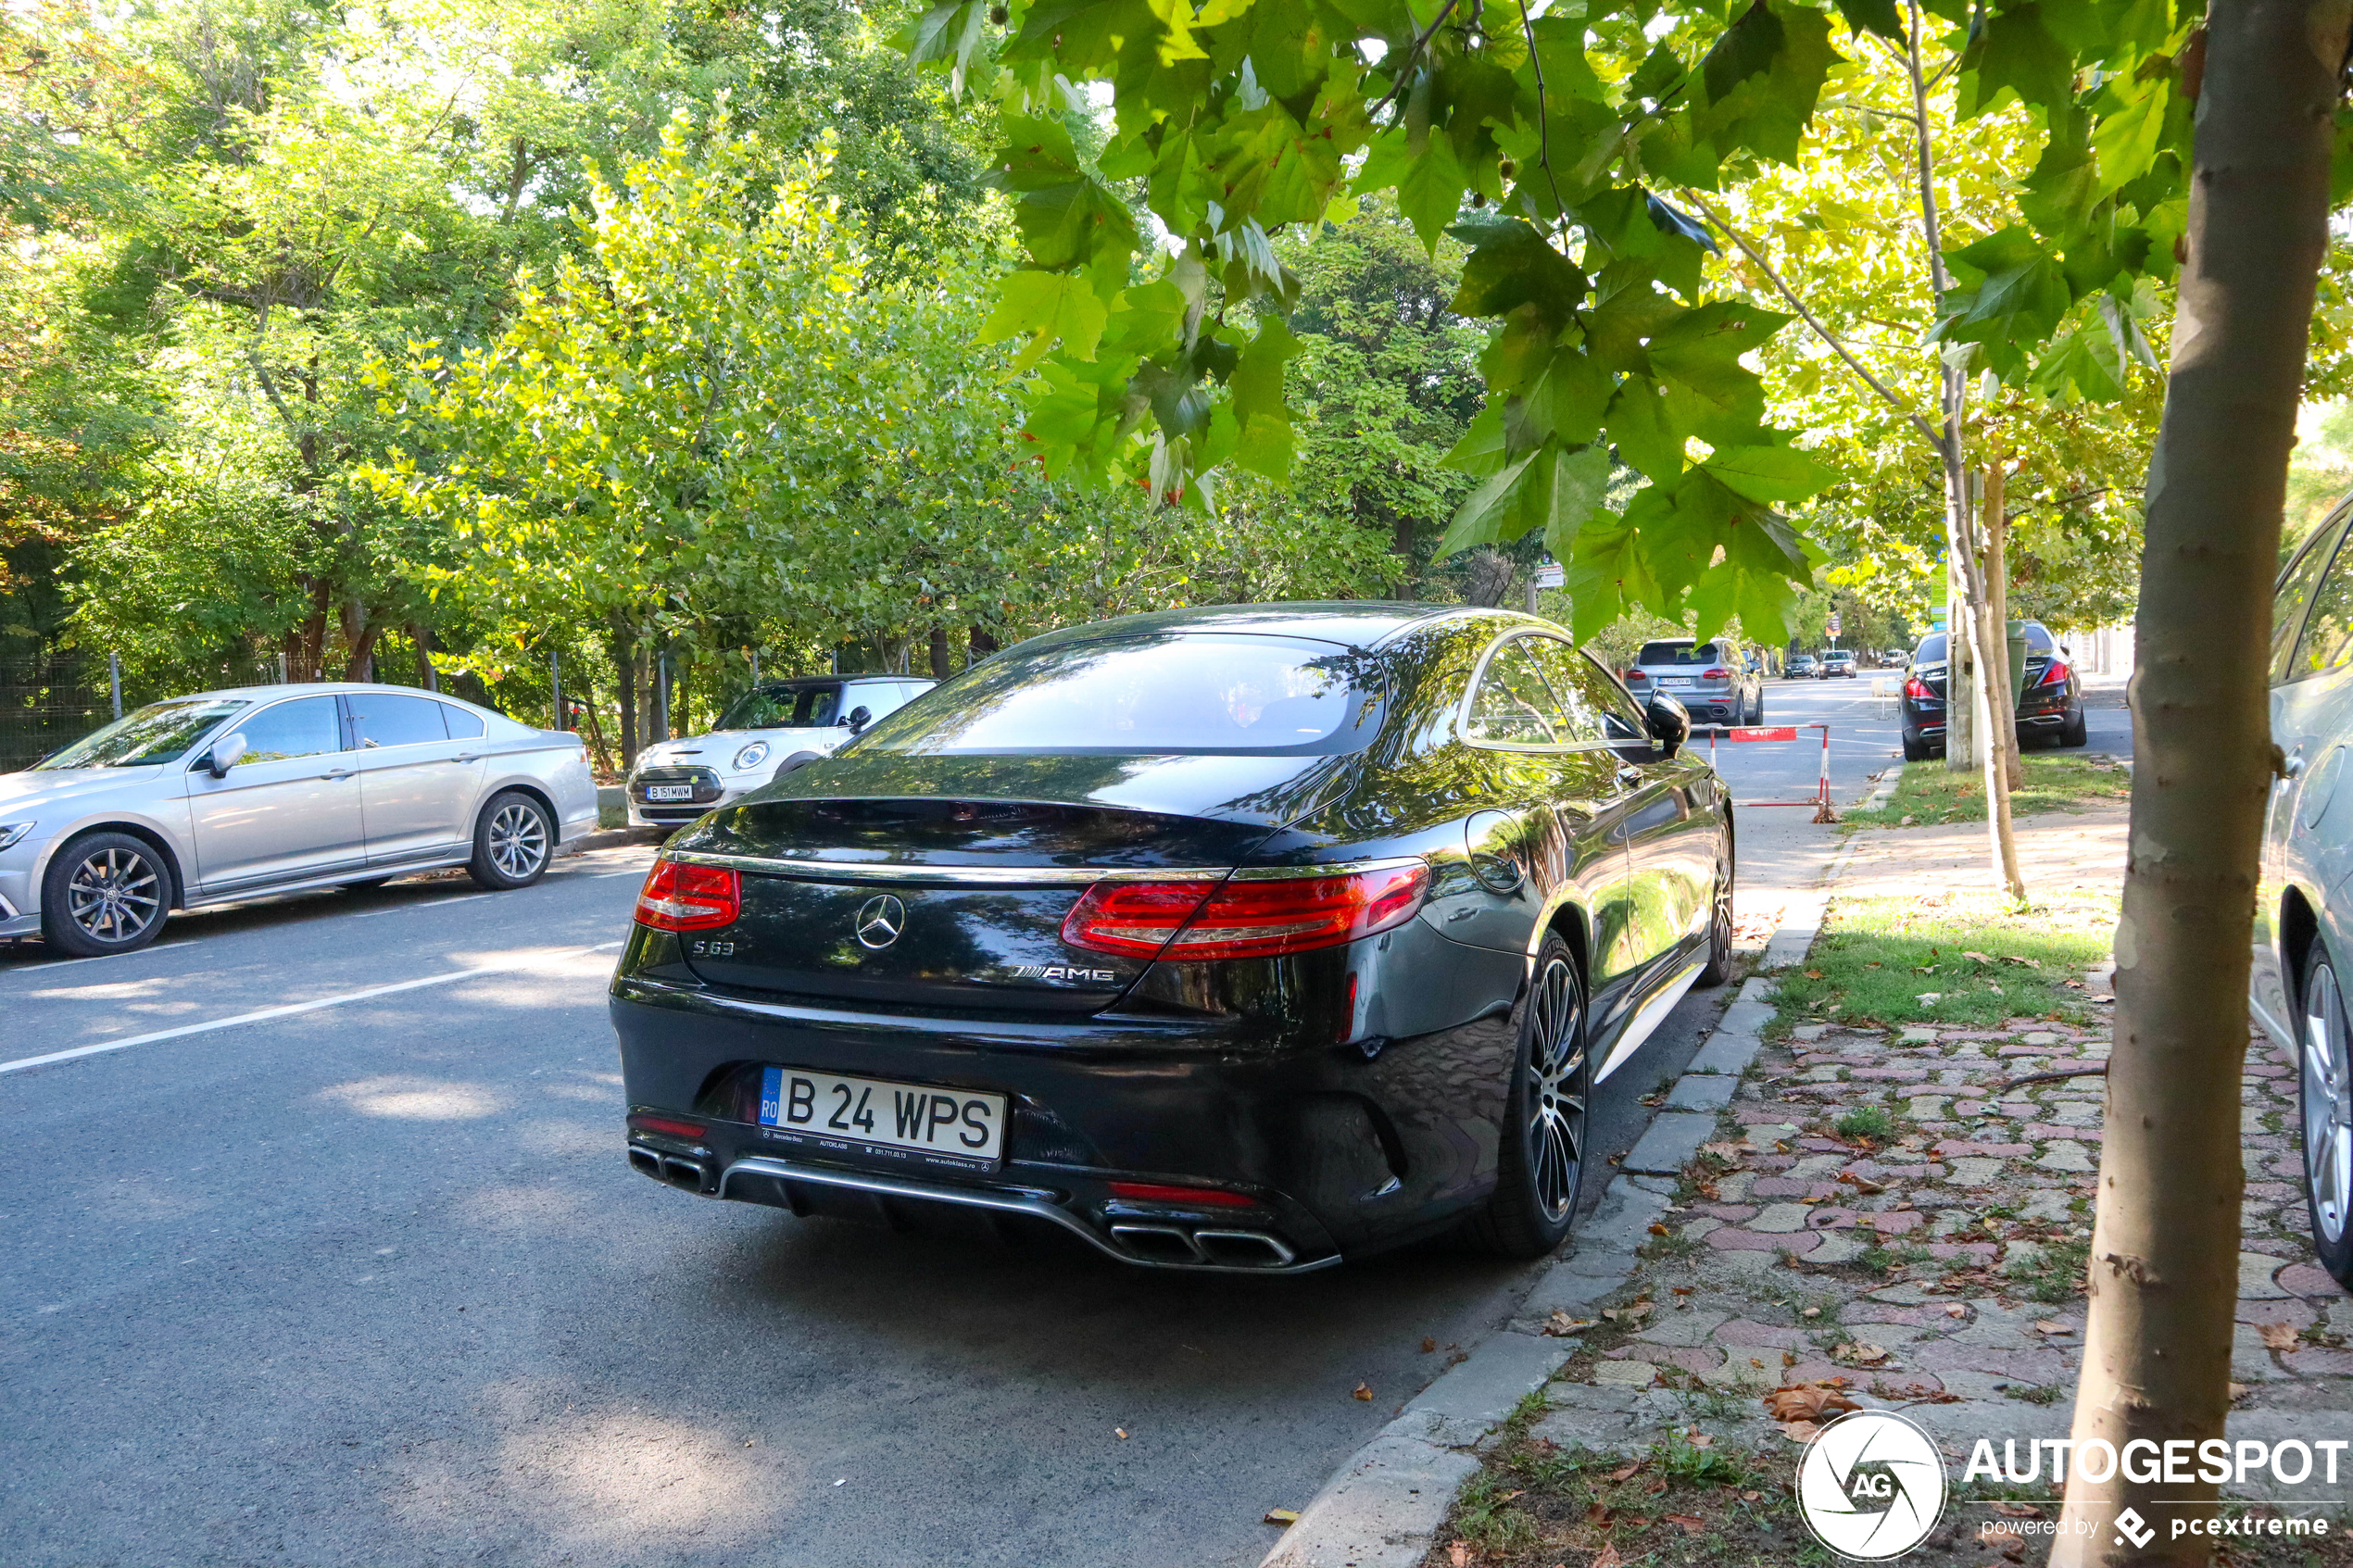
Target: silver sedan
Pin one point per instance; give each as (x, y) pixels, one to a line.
(229, 794)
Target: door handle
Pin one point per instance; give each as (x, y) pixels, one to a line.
(2293, 768)
(1630, 777)
(337, 773)
(469, 757)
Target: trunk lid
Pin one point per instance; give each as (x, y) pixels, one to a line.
(943, 882)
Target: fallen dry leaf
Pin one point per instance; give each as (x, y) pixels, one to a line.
(2238, 1391)
(1626, 1474)
(1365, 1392)
(2047, 1326)
(1722, 1150)
(2277, 1336)
(1429, 1345)
(2016, 1509)
(1702, 1440)
(1458, 1553)
(1691, 1523)
(1606, 1558)
(1799, 1431)
(1980, 958)
(1955, 1309)
(1281, 1516)
(1808, 1401)
(1560, 1324)
(1660, 1230)
(1860, 1354)
(1813, 975)
(1751, 1497)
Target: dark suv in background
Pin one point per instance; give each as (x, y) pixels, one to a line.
(2051, 706)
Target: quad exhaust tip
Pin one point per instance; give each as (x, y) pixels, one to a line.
(672, 1169)
(1226, 1248)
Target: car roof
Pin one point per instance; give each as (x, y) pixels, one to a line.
(320, 688)
(1361, 623)
(792, 683)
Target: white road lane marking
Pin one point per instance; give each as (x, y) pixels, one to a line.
(291, 1008)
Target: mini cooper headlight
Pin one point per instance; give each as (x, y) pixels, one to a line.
(751, 756)
(12, 833)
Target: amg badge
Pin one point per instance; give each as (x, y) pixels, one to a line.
(1064, 973)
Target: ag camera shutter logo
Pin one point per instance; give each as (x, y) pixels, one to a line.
(1871, 1485)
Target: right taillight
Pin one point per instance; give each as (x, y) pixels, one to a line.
(1250, 916)
(679, 895)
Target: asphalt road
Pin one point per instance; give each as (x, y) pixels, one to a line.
(370, 1283)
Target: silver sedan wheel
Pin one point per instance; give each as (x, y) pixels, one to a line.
(114, 894)
(518, 840)
(2328, 1104)
(1556, 1120)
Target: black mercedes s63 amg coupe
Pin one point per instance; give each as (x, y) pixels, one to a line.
(1245, 939)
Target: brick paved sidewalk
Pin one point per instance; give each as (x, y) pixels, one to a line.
(1936, 1268)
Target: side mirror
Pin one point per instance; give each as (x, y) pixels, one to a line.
(859, 719)
(1670, 725)
(225, 754)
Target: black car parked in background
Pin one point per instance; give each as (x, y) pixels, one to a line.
(2050, 708)
(1242, 938)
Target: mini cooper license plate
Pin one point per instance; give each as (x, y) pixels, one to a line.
(670, 792)
(958, 1126)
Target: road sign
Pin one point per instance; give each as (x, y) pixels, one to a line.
(1550, 575)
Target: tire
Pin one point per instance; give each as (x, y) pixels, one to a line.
(2325, 1083)
(514, 839)
(1540, 1162)
(2075, 731)
(104, 893)
(1719, 927)
(1915, 751)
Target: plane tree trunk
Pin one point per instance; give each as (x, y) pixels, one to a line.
(2164, 1275)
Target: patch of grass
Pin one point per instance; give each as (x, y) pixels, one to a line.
(2055, 1271)
(1681, 1460)
(1866, 1121)
(2047, 1395)
(2055, 782)
(1878, 958)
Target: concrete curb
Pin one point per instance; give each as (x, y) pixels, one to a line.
(1384, 1507)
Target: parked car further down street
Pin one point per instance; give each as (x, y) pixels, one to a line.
(2050, 707)
(771, 729)
(230, 795)
(2303, 916)
(1712, 680)
(1242, 938)
(1802, 667)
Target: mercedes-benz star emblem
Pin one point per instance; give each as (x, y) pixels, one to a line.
(880, 920)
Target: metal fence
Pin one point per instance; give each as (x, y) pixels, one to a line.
(49, 701)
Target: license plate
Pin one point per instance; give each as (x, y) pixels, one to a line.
(1674, 680)
(670, 792)
(953, 1126)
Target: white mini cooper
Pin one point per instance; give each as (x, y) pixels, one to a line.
(773, 727)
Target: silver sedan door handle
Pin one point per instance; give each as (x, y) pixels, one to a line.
(2294, 767)
(469, 757)
(339, 774)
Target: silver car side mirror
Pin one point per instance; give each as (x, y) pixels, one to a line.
(226, 753)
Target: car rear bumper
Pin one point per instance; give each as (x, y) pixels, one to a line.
(1342, 1150)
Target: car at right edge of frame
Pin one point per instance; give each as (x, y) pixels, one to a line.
(1240, 938)
(2304, 906)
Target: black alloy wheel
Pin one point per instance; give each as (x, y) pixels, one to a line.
(2325, 1083)
(1719, 923)
(514, 839)
(1541, 1165)
(106, 893)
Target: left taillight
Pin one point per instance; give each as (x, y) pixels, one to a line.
(2056, 675)
(680, 895)
(1251, 916)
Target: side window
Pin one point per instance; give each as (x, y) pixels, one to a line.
(304, 727)
(2295, 588)
(463, 725)
(1513, 706)
(823, 706)
(381, 718)
(1571, 677)
(2328, 633)
(1622, 721)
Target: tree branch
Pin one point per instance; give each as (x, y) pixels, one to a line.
(1543, 127)
(1412, 53)
(1814, 321)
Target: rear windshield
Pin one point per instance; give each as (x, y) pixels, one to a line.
(1170, 694)
(1931, 649)
(2038, 638)
(808, 707)
(1677, 653)
(161, 731)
